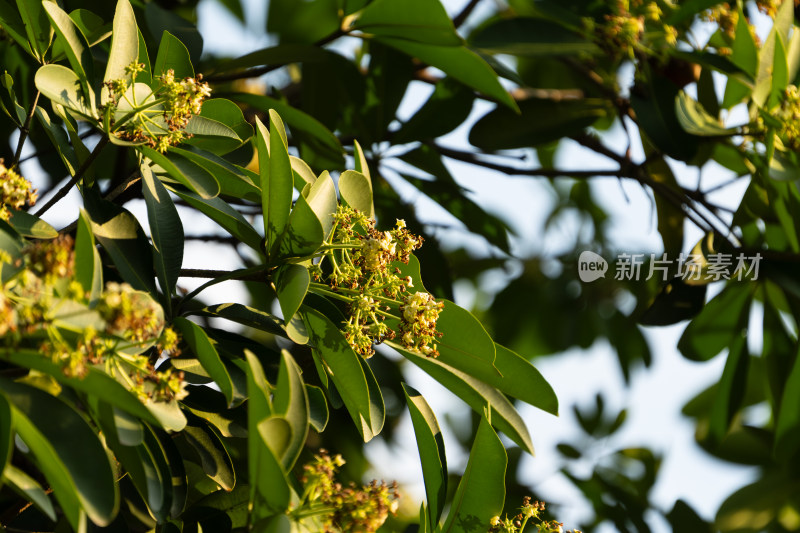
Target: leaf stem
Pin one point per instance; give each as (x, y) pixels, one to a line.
(62, 192)
(24, 130)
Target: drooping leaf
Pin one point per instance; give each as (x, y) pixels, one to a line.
(431, 453)
(30, 489)
(214, 457)
(720, 321)
(481, 491)
(205, 351)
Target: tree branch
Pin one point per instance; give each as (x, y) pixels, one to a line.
(75, 179)
(462, 17)
(24, 130)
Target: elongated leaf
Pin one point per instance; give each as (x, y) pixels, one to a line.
(226, 216)
(720, 321)
(6, 434)
(696, 120)
(277, 181)
(166, 230)
(187, 173)
(49, 426)
(60, 140)
(77, 48)
(292, 283)
(459, 62)
(247, 316)
(37, 27)
(478, 395)
(30, 489)
(527, 36)
(225, 112)
(330, 346)
(63, 86)
(318, 413)
(172, 55)
(12, 24)
(481, 491)
(200, 125)
(233, 181)
(98, 383)
(431, 453)
(118, 231)
(291, 401)
(32, 226)
(423, 21)
(215, 459)
(205, 351)
(787, 427)
(88, 268)
(124, 45)
(731, 387)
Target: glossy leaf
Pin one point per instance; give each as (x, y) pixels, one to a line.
(77, 47)
(205, 351)
(88, 268)
(318, 413)
(277, 182)
(291, 401)
(30, 489)
(292, 283)
(527, 36)
(124, 45)
(37, 27)
(431, 453)
(356, 191)
(478, 395)
(12, 23)
(342, 363)
(118, 231)
(67, 450)
(224, 112)
(696, 120)
(172, 55)
(233, 181)
(166, 230)
(415, 20)
(481, 491)
(31, 226)
(189, 174)
(215, 459)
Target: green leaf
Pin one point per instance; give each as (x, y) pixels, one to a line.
(118, 231)
(205, 351)
(772, 66)
(361, 161)
(189, 174)
(446, 109)
(670, 217)
(37, 27)
(77, 49)
(356, 191)
(233, 181)
(318, 19)
(342, 363)
(6, 435)
(718, 324)
(67, 451)
(291, 285)
(226, 216)
(478, 395)
(696, 120)
(247, 316)
(101, 385)
(787, 427)
(291, 401)
(167, 233)
(124, 46)
(63, 86)
(731, 387)
(431, 453)
(29, 489)
(223, 112)
(424, 21)
(527, 36)
(31, 226)
(282, 54)
(481, 491)
(60, 140)
(277, 181)
(318, 413)
(208, 127)
(214, 457)
(172, 55)
(88, 268)
(459, 62)
(303, 175)
(323, 140)
(12, 24)
(540, 122)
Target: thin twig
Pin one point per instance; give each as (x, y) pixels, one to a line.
(124, 186)
(264, 69)
(469, 157)
(462, 17)
(75, 179)
(24, 130)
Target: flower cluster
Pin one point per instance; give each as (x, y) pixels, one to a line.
(348, 509)
(15, 190)
(530, 511)
(160, 120)
(789, 113)
(360, 266)
(633, 26)
(42, 307)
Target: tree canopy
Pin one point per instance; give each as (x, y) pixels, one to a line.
(133, 401)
